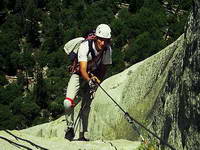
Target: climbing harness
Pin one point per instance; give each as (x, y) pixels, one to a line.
(132, 121)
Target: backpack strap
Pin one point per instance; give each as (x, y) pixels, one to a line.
(95, 59)
(91, 50)
(74, 67)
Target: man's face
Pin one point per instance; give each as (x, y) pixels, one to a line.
(101, 43)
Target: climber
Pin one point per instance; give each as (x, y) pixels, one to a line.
(93, 57)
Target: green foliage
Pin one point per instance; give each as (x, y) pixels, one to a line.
(137, 51)
(27, 107)
(21, 81)
(6, 118)
(149, 19)
(3, 80)
(9, 93)
(57, 59)
(135, 5)
(118, 27)
(41, 57)
(32, 16)
(49, 45)
(56, 82)
(24, 61)
(118, 63)
(97, 10)
(9, 43)
(56, 106)
(16, 111)
(40, 120)
(40, 92)
(186, 4)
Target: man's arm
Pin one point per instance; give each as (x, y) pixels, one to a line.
(83, 70)
(84, 73)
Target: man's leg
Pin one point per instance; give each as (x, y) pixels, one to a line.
(84, 114)
(72, 91)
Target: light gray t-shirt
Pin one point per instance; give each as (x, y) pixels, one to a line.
(84, 56)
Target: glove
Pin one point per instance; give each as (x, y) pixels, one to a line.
(93, 87)
(93, 83)
(95, 80)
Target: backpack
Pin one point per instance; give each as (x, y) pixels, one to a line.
(72, 47)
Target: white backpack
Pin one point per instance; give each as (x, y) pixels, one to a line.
(73, 45)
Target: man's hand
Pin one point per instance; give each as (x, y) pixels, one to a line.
(93, 83)
(95, 79)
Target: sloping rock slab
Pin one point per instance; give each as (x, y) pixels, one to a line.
(51, 136)
(57, 143)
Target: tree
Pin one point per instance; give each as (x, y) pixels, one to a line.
(32, 16)
(9, 93)
(3, 80)
(97, 10)
(6, 118)
(26, 107)
(10, 33)
(151, 44)
(118, 63)
(135, 5)
(57, 59)
(41, 58)
(56, 106)
(24, 61)
(40, 90)
(21, 80)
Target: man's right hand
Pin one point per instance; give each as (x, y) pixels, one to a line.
(93, 83)
(95, 79)
(93, 87)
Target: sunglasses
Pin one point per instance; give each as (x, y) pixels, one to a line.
(103, 39)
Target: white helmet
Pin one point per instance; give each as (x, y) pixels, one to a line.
(103, 31)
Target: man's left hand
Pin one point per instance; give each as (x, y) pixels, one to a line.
(93, 84)
(95, 80)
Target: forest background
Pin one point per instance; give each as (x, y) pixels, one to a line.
(33, 71)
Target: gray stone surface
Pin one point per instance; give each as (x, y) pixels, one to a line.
(177, 109)
(51, 136)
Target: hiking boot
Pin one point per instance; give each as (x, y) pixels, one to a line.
(69, 134)
(82, 139)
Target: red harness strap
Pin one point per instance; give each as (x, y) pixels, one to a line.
(71, 100)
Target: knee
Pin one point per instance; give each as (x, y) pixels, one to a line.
(68, 103)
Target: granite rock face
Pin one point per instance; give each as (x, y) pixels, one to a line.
(176, 114)
(50, 136)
